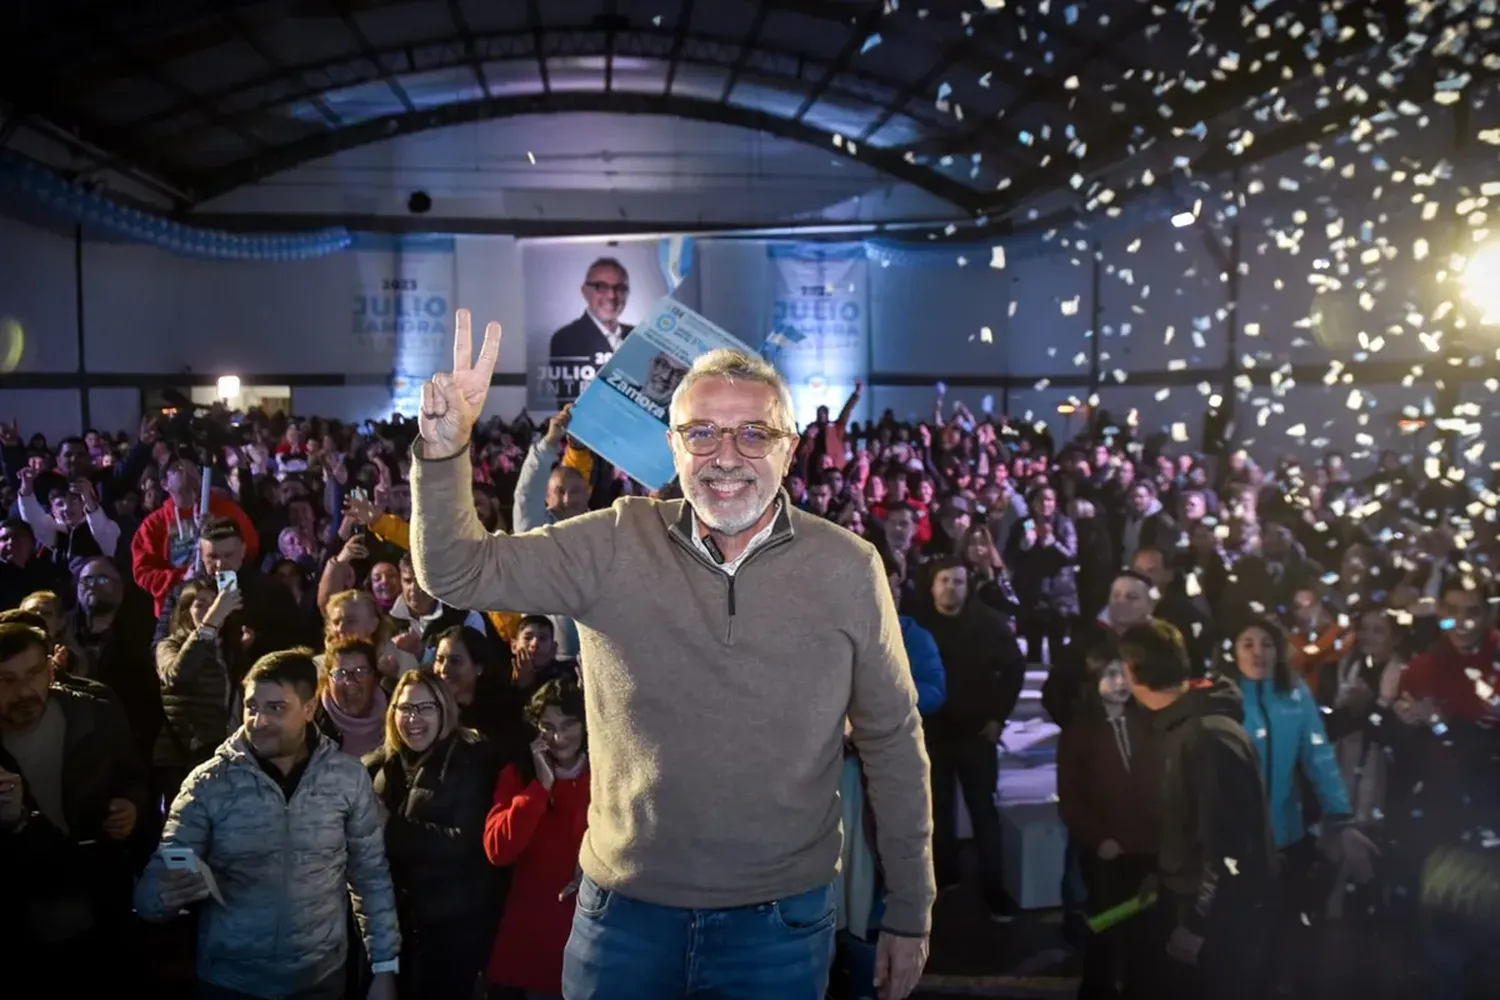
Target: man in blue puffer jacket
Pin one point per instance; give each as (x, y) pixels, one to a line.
(289, 827)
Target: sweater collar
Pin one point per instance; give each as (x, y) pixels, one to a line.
(682, 521)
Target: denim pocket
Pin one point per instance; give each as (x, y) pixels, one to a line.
(806, 912)
(593, 899)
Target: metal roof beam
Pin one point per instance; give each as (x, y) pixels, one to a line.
(510, 37)
(275, 161)
(461, 23)
(256, 44)
(858, 32)
(538, 33)
(747, 46)
(679, 39)
(351, 24)
(952, 53)
(158, 74)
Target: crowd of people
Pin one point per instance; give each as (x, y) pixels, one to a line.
(221, 678)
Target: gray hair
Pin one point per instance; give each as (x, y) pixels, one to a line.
(738, 366)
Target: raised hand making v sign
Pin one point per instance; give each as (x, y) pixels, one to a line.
(452, 401)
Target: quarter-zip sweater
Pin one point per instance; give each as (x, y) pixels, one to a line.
(716, 703)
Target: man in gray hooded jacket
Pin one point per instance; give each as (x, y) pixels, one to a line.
(289, 829)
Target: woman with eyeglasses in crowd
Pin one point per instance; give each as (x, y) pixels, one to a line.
(433, 781)
(536, 825)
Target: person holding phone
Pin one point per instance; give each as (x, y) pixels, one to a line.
(291, 829)
(536, 825)
(197, 692)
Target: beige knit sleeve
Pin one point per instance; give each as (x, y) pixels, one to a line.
(555, 570)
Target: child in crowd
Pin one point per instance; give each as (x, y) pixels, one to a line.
(1108, 781)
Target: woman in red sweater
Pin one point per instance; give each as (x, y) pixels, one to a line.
(537, 824)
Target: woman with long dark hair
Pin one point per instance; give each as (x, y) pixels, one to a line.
(1286, 726)
(468, 663)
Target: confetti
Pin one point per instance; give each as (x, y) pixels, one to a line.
(531, 156)
(997, 257)
(870, 43)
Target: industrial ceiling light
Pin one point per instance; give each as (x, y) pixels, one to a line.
(1481, 282)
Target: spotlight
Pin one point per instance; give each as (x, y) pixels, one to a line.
(229, 386)
(1481, 281)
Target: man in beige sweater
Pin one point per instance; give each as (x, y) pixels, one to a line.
(725, 639)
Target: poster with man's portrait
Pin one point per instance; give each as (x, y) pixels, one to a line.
(583, 300)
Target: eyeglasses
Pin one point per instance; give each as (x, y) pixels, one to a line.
(412, 710)
(704, 438)
(351, 673)
(604, 287)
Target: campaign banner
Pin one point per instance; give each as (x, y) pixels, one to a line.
(622, 414)
(819, 337)
(582, 302)
(402, 308)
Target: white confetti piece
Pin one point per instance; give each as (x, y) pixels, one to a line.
(997, 258)
(986, 335)
(531, 156)
(1232, 865)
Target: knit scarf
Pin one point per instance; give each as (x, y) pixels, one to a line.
(360, 735)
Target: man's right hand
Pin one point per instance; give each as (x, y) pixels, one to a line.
(452, 401)
(26, 481)
(180, 888)
(557, 427)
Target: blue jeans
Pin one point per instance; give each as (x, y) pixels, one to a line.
(624, 949)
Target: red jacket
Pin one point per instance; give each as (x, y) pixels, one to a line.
(540, 835)
(160, 555)
(1441, 673)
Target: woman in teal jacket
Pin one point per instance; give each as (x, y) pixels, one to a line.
(1282, 718)
(1286, 726)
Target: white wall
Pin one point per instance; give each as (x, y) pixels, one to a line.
(150, 313)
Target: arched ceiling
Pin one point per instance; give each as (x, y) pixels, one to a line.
(985, 104)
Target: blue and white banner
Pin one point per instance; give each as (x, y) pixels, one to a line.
(623, 412)
(403, 308)
(819, 337)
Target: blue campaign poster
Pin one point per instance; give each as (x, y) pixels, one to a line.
(622, 415)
